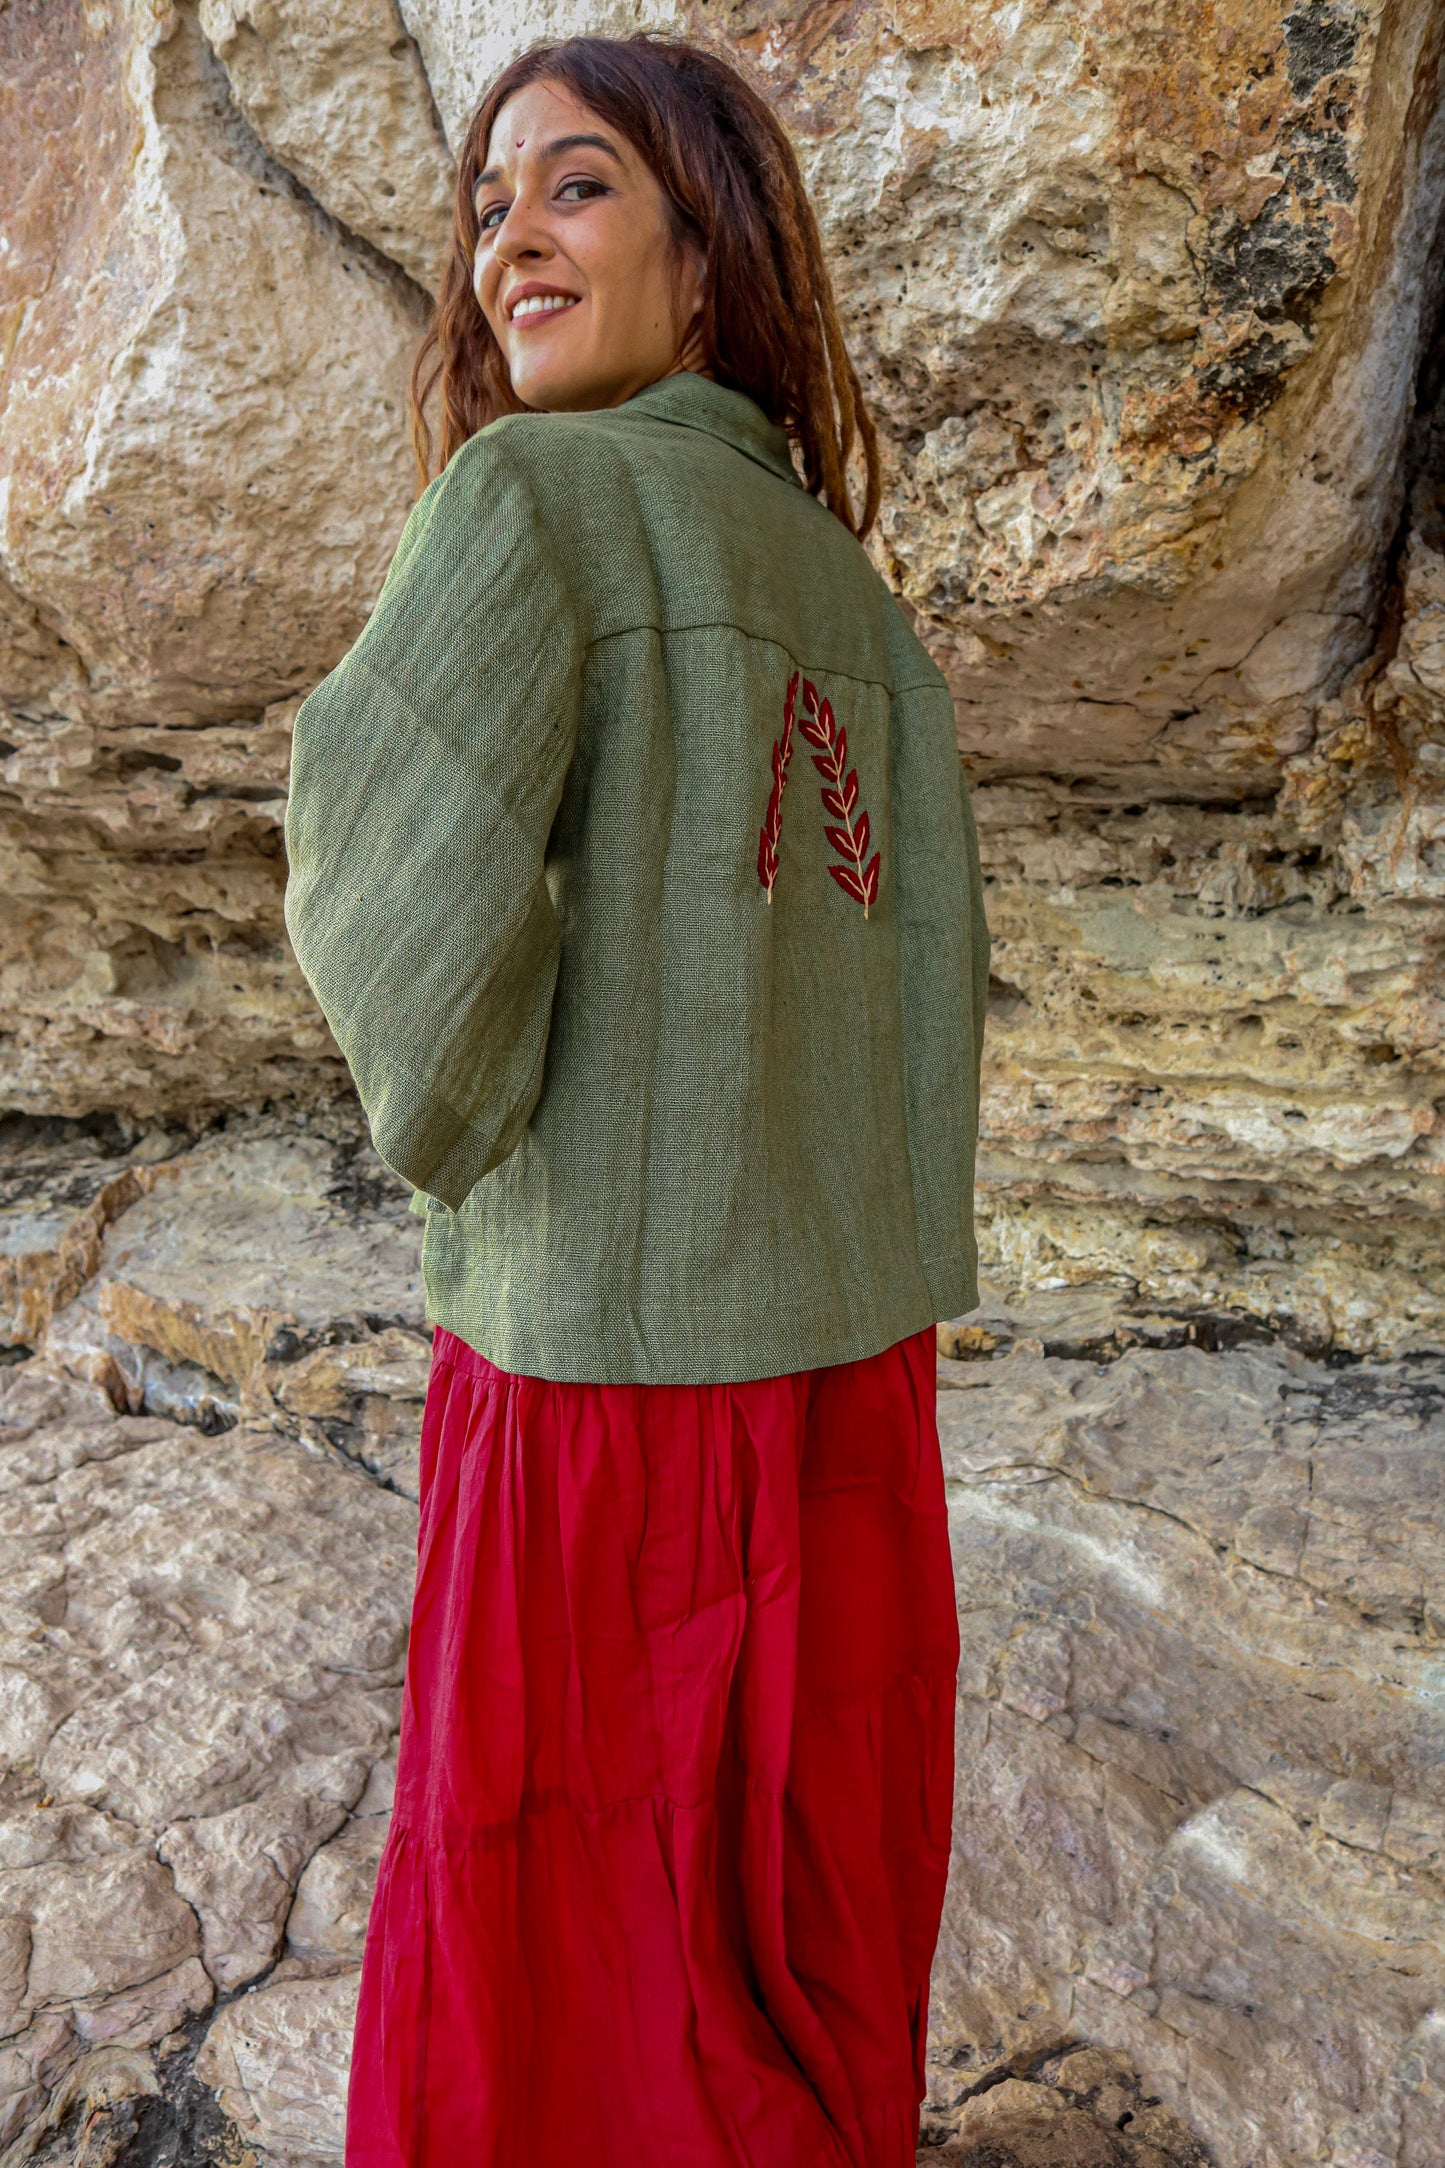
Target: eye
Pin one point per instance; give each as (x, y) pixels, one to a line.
(489, 219)
(581, 189)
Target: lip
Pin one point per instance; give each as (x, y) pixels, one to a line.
(529, 291)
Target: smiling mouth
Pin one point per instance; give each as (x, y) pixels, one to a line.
(532, 306)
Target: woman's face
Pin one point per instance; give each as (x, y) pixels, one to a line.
(577, 271)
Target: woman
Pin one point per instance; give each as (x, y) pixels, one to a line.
(631, 864)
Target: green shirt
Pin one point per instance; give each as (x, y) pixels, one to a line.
(686, 1063)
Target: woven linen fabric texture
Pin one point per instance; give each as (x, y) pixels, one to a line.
(672, 1818)
(668, 1129)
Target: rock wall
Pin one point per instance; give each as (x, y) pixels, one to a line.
(205, 469)
(1195, 1913)
(1149, 304)
(1144, 305)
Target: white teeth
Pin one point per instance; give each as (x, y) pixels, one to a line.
(541, 304)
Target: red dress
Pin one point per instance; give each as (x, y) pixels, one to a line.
(675, 1785)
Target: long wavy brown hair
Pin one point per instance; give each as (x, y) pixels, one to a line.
(769, 322)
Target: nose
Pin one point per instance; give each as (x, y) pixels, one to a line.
(521, 237)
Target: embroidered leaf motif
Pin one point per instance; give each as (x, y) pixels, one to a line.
(772, 828)
(863, 887)
(849, 838)
(840, 803)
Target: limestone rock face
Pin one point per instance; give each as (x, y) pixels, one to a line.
(1142, 312)
(278, 2062)
(202, 1628)
(204, 474)
(143, 956)
(339, 97)
(272, 1271)
(207, 1552)
(202, 419)
(1085, 2108)
(202, 1641)
(1200, 1816)
(1200, 1837)
(1140, 308)
(1149, 307)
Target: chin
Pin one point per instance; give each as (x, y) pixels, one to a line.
(543, 388)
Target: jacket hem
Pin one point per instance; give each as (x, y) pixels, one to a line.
(560, 1345)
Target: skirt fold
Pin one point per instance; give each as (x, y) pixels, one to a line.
(674, 1789)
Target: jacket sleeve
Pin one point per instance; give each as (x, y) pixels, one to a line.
(978, 935)
(425, 776)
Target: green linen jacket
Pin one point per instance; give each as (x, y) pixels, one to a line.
(632, 864)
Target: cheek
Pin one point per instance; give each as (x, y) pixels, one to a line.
(625, 271)
(485, 280)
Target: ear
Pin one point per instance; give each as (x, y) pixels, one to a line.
(689, 288)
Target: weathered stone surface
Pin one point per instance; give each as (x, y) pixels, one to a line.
(333, 1897)
(1200, 1815)
(1116, 284)
(1217, 1053)
(338, 95)
(273, 1270)
(1146, 411)
(143, 959)
(278, 2060)
(205, 469)
(327, 1922)
(1141, 303)
(238, 1870)
(365, 1396)
(1214, 1077)
(59, 1190)
(202, 410)
(251, 1248)
(200, 1649)
(194, 1537)
(1082, 2109)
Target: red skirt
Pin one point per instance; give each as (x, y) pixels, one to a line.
(676, 1771)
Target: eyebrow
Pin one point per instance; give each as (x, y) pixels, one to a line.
(555, 149)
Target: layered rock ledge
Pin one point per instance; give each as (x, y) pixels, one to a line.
(1149, 309)
(1199, 1876)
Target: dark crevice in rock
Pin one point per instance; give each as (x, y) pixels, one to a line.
(180, 2125)
(1087, 2104)
(1212, 1331)
(358, 1182)
(1422, 461)
(23, 1135)
(184, 1393)
(341, 1440)
(1021, 2066)
(1319, 40)
(1414, 1383)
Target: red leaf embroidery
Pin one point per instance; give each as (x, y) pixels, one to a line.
(850, 840)
(840, 803)
(772, 828)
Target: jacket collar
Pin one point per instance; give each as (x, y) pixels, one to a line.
(696, 402)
